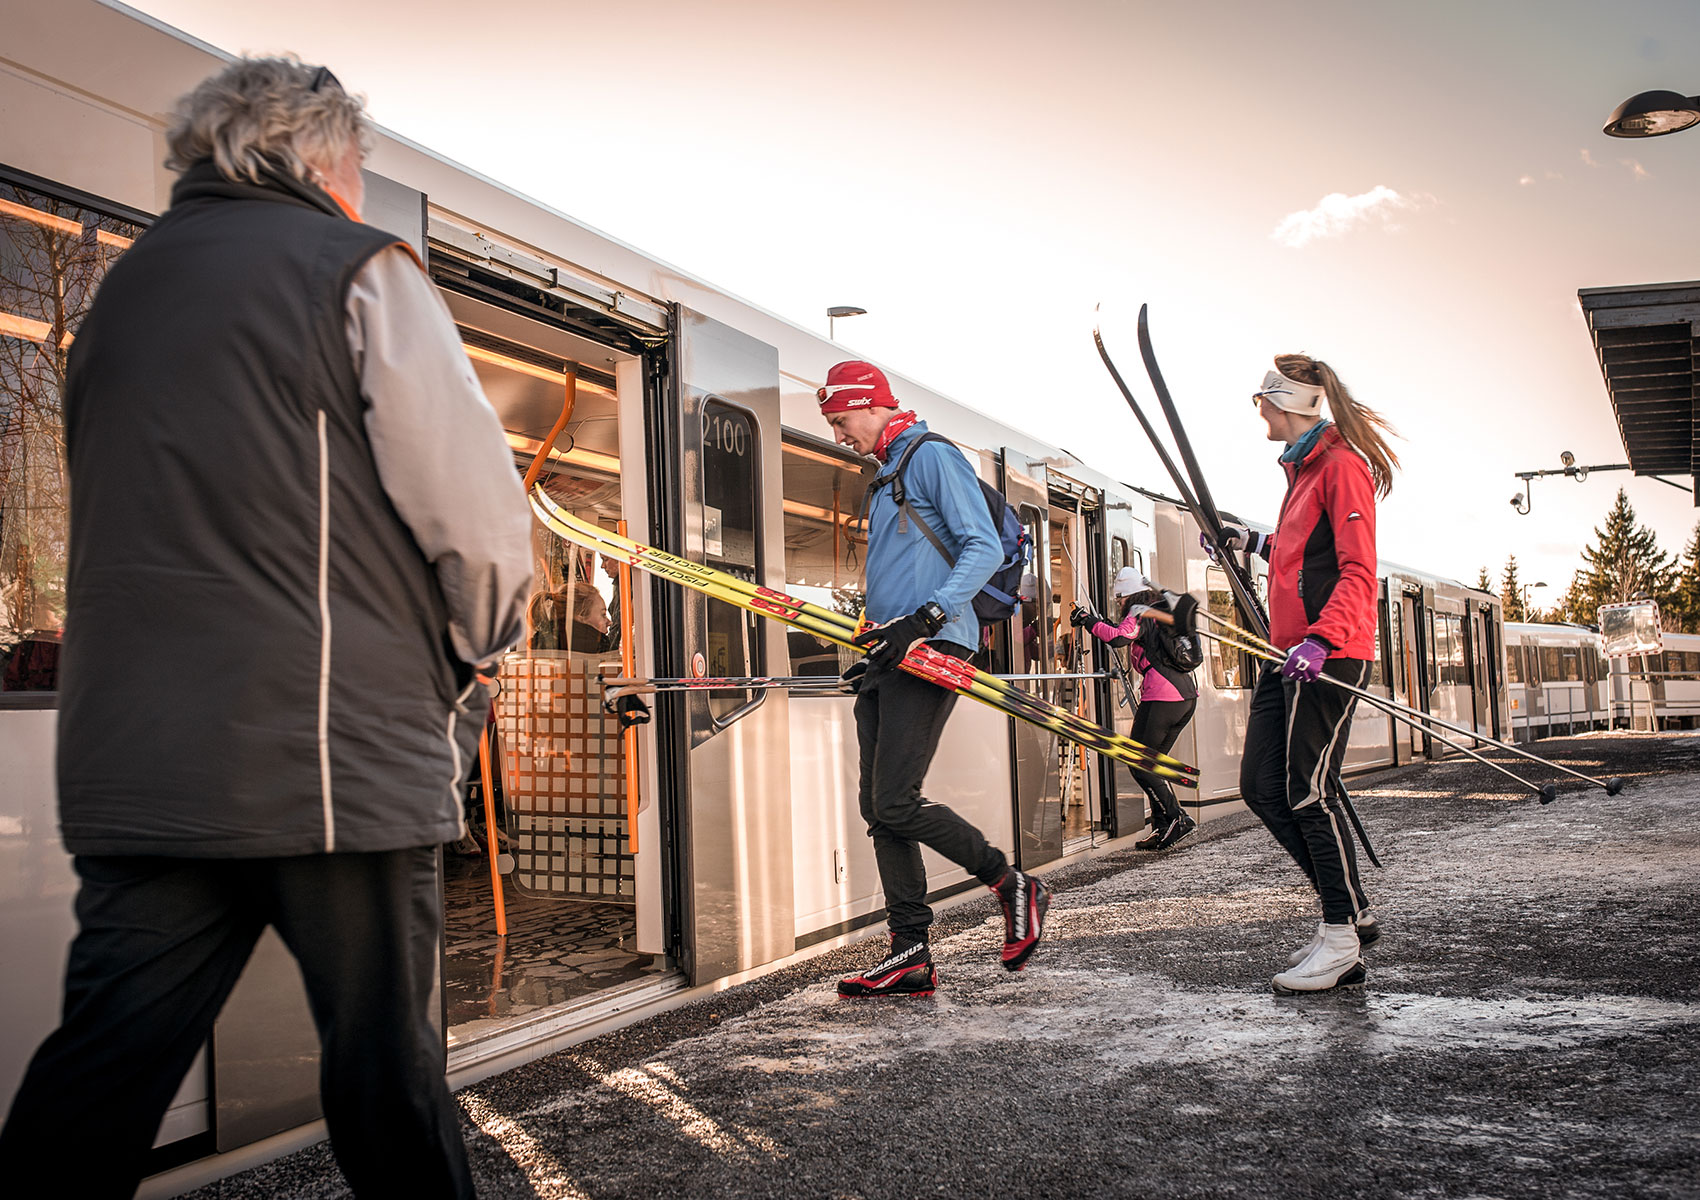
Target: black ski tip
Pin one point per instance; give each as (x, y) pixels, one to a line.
(1143, 309)
(1614, 785)
(1549, 793)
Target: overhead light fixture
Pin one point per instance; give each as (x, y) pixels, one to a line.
(595, 460)
(840, 310)
(1651, 114)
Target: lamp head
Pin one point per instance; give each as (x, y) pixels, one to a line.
(1650, 114)
(1567, 458)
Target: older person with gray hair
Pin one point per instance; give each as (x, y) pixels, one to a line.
(298, 536)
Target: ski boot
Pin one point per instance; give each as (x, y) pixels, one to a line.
(906, 971)
(1336, 962)
(1025, 902)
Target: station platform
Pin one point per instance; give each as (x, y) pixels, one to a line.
(1530, 1027)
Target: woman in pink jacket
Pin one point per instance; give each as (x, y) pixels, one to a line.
(1167, 694)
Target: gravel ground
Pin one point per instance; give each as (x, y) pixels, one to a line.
(1530, 1028)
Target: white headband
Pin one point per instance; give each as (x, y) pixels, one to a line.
(1289, 395)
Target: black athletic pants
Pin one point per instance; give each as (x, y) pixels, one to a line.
(1157, 723)
(162, 942)
(1295, 741)
(899, 720)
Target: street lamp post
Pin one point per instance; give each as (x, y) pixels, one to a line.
(1527, 587)
(1651, 114)
(840, 310)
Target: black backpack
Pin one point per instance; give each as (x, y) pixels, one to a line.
(999, 599)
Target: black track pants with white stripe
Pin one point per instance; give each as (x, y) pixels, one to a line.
(1295, 741)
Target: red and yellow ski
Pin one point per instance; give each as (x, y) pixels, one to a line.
(923, 661)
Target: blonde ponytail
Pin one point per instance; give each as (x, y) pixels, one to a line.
(1360, 425)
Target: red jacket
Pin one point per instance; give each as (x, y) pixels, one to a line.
(1322, 579)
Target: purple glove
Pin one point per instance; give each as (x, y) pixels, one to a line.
(1304, 661)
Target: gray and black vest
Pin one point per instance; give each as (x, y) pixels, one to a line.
(255, 657)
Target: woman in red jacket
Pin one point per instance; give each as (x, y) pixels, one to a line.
(1322, 608)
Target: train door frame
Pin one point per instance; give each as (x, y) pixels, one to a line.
(1413, 609)
(730, 770)
(1122, 808)
(1034, 756)
(1475, 663)
(1077, 506)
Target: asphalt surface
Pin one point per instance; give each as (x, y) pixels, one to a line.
(1530, 1028)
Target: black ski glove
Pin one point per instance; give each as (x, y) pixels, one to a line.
(887, 644)
(1082, 617)
(854, 675)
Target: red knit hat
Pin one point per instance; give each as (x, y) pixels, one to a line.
(854, 384)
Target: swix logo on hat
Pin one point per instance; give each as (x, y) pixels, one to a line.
(854, 384)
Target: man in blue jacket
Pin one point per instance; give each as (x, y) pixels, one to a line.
(916, 594)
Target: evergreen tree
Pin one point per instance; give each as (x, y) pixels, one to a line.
(1511, 592)
(1624, 563)
(1681, 609)
(1483, 583)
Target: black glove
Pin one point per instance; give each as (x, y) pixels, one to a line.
(1082, 617)
(629, 711)
(854, 676)
(887, 644)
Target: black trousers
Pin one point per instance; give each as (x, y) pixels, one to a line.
(160, 945)
(899, 720)
(1157, 723)
(1295, 741)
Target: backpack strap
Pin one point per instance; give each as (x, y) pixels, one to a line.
(900, 496)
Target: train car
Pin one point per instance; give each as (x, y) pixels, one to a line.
(729, 841)
(1558, 680)
(1667, 683)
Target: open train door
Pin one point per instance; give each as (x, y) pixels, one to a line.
(1035, 752)
(729, 750)
(1405, 596)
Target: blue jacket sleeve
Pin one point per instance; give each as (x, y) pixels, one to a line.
(941, 475)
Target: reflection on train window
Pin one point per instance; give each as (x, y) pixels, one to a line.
(1552, 665)
(1229, 668)
(824, 545)
(53, 255)
(731, 496)
(1118, 555)
(1377, 671)
(1514, 665)
(1572, 665)
(1430, 652)
(1034, 590)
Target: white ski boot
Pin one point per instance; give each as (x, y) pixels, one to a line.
(1336, 962)
(1369, 930)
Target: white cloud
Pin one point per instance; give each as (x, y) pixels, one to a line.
(1526, 181)
(1588, 159)
(1337, 214)
(1635, 168)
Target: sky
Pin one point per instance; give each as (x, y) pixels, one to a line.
(1411, 192)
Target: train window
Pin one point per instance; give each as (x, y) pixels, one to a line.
(1377, 674)
(731, 500)
(1572, 659)
(1431, 653)
(53, 255)
(1552, 664)
(1459, 651)
(824, 546)
(1229, 668)
(1514, 664)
